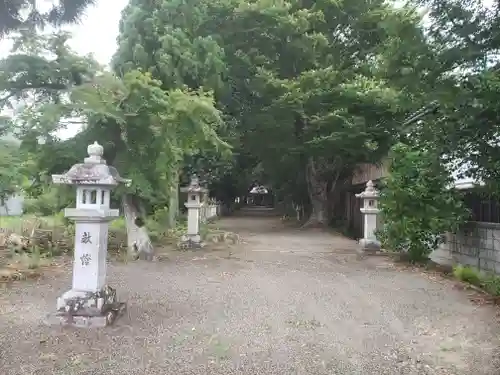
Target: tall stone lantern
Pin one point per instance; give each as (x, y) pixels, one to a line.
(193, 204)
(369, 209)
(90, 302)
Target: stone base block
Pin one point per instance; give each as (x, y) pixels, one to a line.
(82, 321)
(369, 246)
(87, 309)
(190, 242)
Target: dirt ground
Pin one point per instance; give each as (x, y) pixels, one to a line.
(285, 301)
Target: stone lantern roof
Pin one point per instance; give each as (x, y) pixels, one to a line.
(194, 186)
(369, 192)
(93, 171)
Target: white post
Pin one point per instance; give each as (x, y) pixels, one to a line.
(193, 205)
(90, 302)
(369, 209)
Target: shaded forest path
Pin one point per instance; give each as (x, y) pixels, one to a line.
(285, 301)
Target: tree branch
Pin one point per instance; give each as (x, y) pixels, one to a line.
(42, 86)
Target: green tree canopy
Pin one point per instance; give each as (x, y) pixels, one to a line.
(300, 91)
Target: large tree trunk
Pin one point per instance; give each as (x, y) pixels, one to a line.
(138, 242)
(173, 205)
(318, 194)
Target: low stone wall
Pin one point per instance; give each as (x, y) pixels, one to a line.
(476, 244)
(209, 211)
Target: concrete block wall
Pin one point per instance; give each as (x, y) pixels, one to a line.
(477, 244)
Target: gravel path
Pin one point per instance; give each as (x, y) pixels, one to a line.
(284, 302)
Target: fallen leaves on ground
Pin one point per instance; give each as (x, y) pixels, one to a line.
(19, 269)
(440, 273)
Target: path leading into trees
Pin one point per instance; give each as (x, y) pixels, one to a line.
(286, 301)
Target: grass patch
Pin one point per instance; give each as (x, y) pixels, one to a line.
(30, 261)
(118, 225)
(18, 224)
(488, 282)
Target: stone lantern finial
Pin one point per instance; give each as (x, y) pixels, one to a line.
(369, 192)
(95, 152)
(195, 182)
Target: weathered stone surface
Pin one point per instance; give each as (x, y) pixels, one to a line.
(192, 239)
(88, 321)
(369, 245)
(369, 208)
(85, 309)
(90, 302)
(187, 242)
(94, 171)
(194, 187)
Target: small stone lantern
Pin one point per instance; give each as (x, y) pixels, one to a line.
(193, 204)
(90, 302)
(369, 209)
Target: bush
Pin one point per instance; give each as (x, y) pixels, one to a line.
(417, 203)
(51, 201)
(492, 285)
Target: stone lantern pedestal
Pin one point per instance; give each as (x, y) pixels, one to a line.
(192, 238)
(369, 209)
(90, 302)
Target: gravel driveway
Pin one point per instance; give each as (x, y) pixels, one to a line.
(283, 302)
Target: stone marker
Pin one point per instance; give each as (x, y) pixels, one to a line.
(90, 302)
(194, 192)
(369, 209)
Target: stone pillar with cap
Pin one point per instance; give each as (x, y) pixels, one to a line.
(90, 302)
(369, 209)
(193, 204)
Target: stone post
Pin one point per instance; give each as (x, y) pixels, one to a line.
(194, 192)
(369, 209)
(90, 302)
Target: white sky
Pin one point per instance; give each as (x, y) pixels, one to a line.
(95, 34)
(98, 31)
